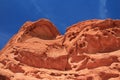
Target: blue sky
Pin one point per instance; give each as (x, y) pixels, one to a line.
(63, 13)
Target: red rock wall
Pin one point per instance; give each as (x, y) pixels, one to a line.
(89, 50)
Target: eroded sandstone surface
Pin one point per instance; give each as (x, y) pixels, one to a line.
(89, 50)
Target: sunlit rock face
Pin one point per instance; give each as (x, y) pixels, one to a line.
(89, 50)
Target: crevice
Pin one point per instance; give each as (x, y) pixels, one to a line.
(4, 77)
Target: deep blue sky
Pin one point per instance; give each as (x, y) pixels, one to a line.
(63, 13)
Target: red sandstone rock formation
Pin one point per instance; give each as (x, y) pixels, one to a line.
(89, 50)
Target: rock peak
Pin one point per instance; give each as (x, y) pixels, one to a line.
(42, 29)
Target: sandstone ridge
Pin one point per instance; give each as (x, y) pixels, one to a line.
(89, 50)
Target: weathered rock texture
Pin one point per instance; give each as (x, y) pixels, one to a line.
(89, 50)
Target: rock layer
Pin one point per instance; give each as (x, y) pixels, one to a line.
(89, 50)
